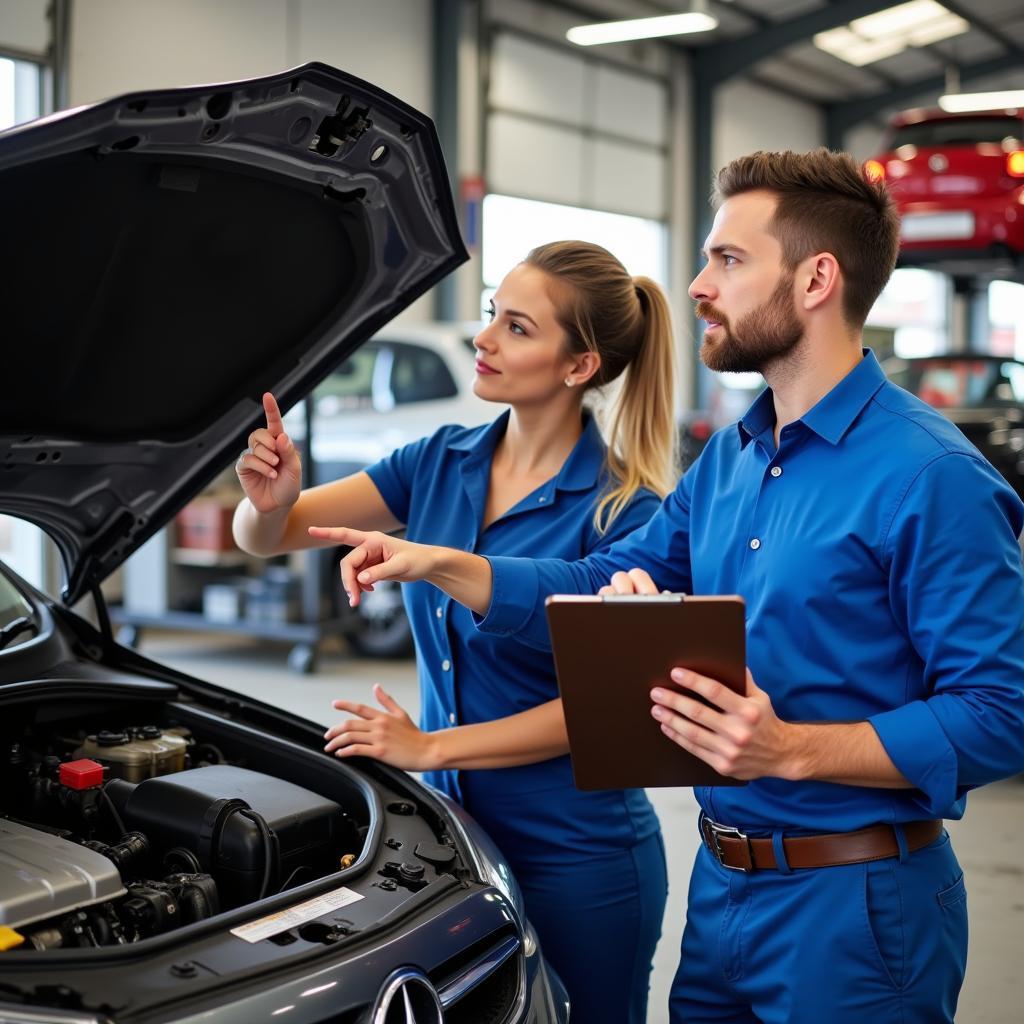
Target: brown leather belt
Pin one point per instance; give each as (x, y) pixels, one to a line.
(733, 849)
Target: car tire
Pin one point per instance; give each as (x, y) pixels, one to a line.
(378, 626)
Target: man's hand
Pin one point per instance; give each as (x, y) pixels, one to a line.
(741, 737)
(389, 735)
(636, 581)
(375, 557)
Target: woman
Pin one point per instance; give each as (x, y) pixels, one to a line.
(538, 480)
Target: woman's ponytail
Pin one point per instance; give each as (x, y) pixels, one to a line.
(626, 321)
(641, 426)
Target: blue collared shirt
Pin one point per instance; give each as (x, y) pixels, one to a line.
(438, 488)
(877, 553)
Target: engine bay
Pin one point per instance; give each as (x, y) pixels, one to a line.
(115, 831)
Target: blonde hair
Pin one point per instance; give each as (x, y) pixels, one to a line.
(626, 321)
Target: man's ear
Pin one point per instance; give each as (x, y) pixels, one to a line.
(584, 366)
(821, 280)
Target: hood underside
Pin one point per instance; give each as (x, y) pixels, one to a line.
(176, 254)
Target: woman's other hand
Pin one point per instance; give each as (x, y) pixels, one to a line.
(375, 557)
(389, 735)
(269, 469)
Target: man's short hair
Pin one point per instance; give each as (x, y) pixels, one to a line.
(825, 204)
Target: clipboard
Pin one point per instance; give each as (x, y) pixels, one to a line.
(610, 651)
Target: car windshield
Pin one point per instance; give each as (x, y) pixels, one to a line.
(17, 618)
(350, 386)
(960, 131)
(963, 383)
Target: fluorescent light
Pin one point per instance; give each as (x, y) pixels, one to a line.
(964, 102)
(641, 28)
(889, 32)
(897, 20)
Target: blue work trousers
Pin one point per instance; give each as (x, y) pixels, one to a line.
(598, 920)
(884, 942)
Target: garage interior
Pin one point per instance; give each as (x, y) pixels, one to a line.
(543, 138)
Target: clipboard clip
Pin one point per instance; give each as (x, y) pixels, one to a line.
(665, 597)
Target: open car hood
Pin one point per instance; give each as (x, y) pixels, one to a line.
(173, 255)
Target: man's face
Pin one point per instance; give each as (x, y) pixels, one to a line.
(744, 293)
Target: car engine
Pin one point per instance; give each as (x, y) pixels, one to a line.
(127, 833)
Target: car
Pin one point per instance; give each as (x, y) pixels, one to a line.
(958, 181)
(402, 385)
(982, 394)
(172, 851)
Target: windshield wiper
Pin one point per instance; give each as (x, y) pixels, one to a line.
(15, 628)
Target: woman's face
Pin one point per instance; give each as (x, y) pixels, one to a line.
(521, 355)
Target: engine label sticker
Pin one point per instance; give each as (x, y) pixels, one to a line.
(274, 924)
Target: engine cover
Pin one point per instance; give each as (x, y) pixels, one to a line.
(42, 875)
(205, 811)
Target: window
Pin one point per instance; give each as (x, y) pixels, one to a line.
(1006, 318)
(419, 375)
(512, 227)
(350, 386)
(21, 91)
(914, 303)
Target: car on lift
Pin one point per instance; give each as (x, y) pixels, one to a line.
(401, 385)
(958, 181)
(982, 394)
(173, 851)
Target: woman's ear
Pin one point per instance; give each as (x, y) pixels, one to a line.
(584, 366)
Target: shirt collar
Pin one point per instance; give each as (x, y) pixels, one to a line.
(579, 472)
(833, 415)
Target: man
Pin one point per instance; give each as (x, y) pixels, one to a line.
(877, 554)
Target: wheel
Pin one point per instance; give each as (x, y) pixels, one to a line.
(378, 627)
(302, 659)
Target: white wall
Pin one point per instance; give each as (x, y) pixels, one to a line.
(118, 46)
(747, 118)
(863, 141)
(24, 27)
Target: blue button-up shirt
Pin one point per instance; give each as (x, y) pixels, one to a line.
(438, 488)
(876, 550)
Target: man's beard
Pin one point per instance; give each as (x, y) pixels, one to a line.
(761, 337)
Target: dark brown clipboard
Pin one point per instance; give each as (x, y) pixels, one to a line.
(610, 651)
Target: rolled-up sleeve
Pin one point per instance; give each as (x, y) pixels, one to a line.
(956, 586)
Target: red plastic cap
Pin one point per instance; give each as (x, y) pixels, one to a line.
(81, 774)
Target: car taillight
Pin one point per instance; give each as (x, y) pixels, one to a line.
(874, 170)
(1015, 163)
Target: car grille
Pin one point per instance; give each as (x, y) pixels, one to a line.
(484, 983)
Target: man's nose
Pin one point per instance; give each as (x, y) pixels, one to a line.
(701, 287)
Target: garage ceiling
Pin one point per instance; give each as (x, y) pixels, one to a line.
(989, 56)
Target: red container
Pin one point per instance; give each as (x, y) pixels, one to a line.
(206, 523)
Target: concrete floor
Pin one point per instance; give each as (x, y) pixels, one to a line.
(989, 842)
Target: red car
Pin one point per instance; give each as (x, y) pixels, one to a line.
(958, 180)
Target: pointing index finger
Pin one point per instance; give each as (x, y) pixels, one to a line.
(274, 422)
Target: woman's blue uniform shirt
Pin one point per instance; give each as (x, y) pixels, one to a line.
(876, 551)
(438, 487)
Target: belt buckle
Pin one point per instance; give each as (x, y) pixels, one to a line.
(714, 832)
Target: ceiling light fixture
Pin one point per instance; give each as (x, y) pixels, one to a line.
(965, 102)
(694, 20)
(889, 32)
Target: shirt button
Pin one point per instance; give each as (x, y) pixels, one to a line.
(451, 718)
(446, 664)
(776, 471)
(542, 500)
(439, 613)
(754, 545)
